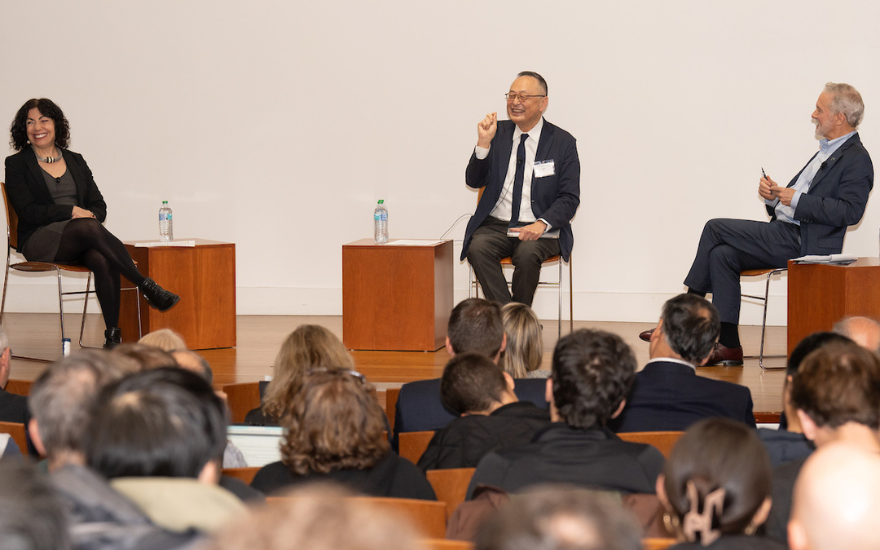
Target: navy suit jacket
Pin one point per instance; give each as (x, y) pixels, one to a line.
(554, 198)
(419, 408)
(837, 198)
(669, 396)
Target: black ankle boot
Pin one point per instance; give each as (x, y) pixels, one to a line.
(158, 297)
(112, 337)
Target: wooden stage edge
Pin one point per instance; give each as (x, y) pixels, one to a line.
(260, 337)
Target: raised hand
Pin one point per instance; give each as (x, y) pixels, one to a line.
(486, 130)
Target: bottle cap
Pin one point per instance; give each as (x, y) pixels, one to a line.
(381, 201)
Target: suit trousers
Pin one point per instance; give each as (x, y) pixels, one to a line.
(729, 246)
(490, 244)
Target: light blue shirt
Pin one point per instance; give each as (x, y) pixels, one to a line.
(802, 185)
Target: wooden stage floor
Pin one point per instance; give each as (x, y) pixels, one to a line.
(259, 338)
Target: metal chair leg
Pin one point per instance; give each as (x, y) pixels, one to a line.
(82, 326)
(559, 288)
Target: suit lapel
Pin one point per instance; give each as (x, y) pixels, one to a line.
(545, 144)
(40, 186)
(832, 160)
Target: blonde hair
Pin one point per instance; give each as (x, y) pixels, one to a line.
(165, 339)
(307, 347)
(524, 343)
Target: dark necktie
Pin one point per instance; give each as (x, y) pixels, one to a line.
(518, 180)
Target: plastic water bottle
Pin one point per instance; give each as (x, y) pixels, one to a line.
(166, 223)
(380, 223)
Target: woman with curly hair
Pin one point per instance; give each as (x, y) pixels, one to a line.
(335, 433)
(61, 212)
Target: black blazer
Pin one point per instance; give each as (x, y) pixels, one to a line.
(27, 191)
(668, 396)
(554, 198)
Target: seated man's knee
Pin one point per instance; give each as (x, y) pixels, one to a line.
(724, 255)
(527, 254)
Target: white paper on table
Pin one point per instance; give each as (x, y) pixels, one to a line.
(829, 259)
(413, 242)
(153, 244)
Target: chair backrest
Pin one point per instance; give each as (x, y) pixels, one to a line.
(244, 474)
(663, 441)
(450, 486)
(11, 219)
(412, 445)
(658, 543)
(18, 433)
(242, 398)
(446, 544)
(427, 516)
(19, 387)
(391, 395)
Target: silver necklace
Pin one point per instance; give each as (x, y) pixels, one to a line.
(49, 160)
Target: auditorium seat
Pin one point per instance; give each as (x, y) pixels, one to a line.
(246, 475)
(413, 444)
(242, 398)
(450, 486)
(663, 441)
(18, 433)
(19, 387)
(391, 395)
(658, 543)
(444, 544)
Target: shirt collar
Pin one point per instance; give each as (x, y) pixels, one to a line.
(826, 145)
(672, 360)
(534, 133)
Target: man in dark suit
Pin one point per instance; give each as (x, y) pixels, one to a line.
(474, 326)
(530, 173)
(809, 216)
(667, 394)
(13, 408)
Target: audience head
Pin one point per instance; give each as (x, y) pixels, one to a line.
(525, 347)
(142, 357)
(320, 516)
(472, 383)
(61, 398)
(335, 423)
(5, 356)
(716, 481)
(164, 339)
(861, 330)
(837, 384)
(32, 516)
(836, 501)
(560, 518)
(18, 130)
(193, 362)
(307, 347)
(475, 326)
(846, 100)
(592, 372)
(689, 326)
(807, 346)
(163, 422)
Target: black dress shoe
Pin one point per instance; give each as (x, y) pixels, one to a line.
(112, 337)
(646, 336)
(157, 297)
(725, 356)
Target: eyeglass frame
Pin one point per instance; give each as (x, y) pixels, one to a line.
(522, 97)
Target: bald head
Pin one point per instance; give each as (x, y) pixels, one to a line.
(861, 330)
(837, 501)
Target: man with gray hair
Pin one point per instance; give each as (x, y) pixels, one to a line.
(13, 408)
(808, 216)
(861, 330)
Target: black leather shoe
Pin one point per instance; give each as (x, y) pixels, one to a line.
(112, 337)
(646, 336)
(725, 356)
(158, 297)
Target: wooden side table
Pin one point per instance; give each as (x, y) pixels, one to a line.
(819, 295)
(204, 278)
(396, 298)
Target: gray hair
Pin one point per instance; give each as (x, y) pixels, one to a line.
(846, 100)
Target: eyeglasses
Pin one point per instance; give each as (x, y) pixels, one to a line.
(511, 96)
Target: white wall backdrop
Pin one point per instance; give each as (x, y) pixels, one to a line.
(278, 124)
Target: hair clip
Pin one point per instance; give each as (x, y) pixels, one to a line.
(696, 522)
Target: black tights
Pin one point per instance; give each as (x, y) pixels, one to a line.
(85, 241)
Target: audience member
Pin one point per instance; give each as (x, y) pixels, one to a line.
(491, 416)
(475, 326)
(591, 373)
(193, 362)
(319, 517)
(525, 347)
(142, 357)
(837, 501)
(60, 401)
(32, 517)
(861, 330)
(560, 518)
(158, 436)
(667, 394)
(836, 393)
(335, 432)
(307, 347)
(13, 408)
(789, 442)
(716, 487)
(164, 339)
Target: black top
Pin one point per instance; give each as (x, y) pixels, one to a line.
(467, 439)
(733, 542)
(391, 477)
(781, 492)
(593, 457)
(783, 446)
(13, 408)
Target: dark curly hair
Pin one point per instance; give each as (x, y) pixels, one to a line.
(18, 130)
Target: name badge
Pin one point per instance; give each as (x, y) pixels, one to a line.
(544, 168)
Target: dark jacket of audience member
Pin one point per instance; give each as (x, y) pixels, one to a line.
(354, 452)
(491, 418)
(32, 515)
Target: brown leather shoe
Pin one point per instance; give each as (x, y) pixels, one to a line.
(725, 356)
(646, 336)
